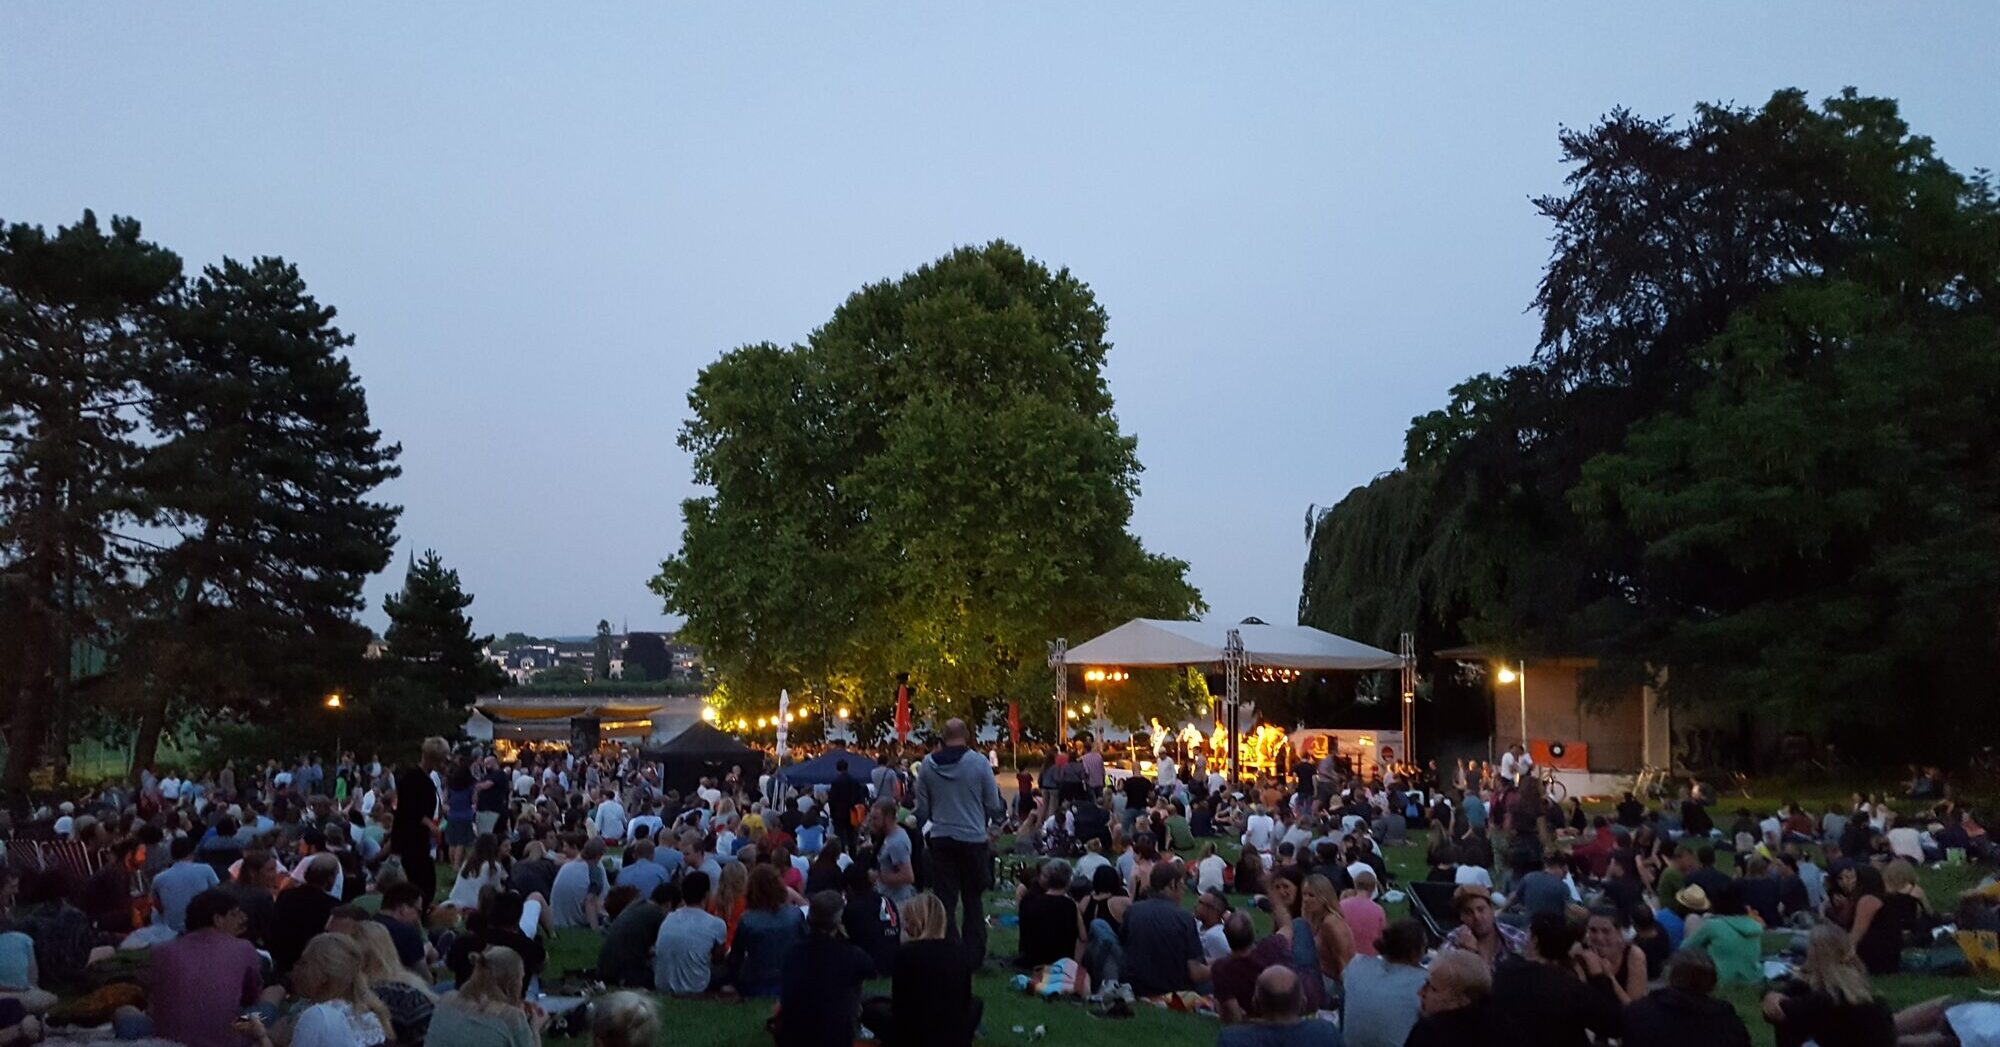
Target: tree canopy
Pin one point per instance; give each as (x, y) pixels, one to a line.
(186, 489)
(1755, 444)
(933, 484)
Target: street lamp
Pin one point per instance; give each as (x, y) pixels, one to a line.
(333, 702)
(1507, 675)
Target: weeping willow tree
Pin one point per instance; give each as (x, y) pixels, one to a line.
(1393, 556)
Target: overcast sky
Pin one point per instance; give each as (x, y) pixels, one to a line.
(1306, 224)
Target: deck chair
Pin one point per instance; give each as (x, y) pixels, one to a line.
(1430, 903)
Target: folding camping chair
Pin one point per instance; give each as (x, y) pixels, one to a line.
(1430, 903)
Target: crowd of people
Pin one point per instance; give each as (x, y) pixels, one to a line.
(360, 903)
(1553, 926)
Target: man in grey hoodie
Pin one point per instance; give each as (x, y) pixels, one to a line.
(957, 799)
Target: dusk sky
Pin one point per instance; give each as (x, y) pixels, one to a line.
(1306, 224)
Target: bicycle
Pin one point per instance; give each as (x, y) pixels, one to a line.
(1552, 786)
(1653, 783)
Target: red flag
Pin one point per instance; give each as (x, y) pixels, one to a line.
(902, 714)
(1014, 720)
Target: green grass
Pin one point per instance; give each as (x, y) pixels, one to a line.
(701, 1023)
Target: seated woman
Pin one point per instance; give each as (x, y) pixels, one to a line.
(1881, 917)
(765, 935)
(404, 992)
(1051, 923)
(340, 1009)
(623, 1019)
(481, 868)
(931, 998)
(498, 922)
(1831, 1001)
(488, 1010)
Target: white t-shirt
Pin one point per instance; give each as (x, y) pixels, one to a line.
(1473, 874)
(1214, 944)
(1208, 873)
(465, 889)
(335, 1023)
(1510, 766)
(1163, 772)
(339, 875)
(611, 820)
(1087, 866)
(1259, 831)
(650, 821)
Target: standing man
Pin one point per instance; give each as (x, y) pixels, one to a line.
(895, 875)
(842, 797)
(885, 779)
(957, 799)
(410, 835)
(490, 801)
(1093, 770)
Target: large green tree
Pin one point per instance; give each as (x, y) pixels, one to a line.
(264, 469)
(933, 484)
(1755, 445)
(80, 313)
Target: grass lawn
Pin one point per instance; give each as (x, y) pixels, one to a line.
(705, 1024)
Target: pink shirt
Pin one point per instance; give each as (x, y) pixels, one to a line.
(1366, 919)
(200, 982)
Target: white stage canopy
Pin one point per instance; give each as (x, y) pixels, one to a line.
(1158, 643)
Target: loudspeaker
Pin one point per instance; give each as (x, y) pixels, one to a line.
(583, 734)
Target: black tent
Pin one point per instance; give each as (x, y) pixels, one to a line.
(701, 751)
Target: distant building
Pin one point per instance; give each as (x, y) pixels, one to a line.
(659, 655)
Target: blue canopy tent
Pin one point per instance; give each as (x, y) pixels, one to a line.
(823, 769)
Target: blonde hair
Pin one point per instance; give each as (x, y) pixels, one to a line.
(494, 987)
(435, 754)
(923, 918)
(623, 1019)
(1831, 967)
(734, 883)
(1899, 875)
(379, 961)
(1319, 889)
(336, 961)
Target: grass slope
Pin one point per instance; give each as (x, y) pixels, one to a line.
(695, 1023)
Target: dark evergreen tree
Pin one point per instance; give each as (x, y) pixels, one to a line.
(600, 655)
(430, 643)
(264, 470)
(78, 313)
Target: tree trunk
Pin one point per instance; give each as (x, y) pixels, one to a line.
(24, 742)
(146, 744)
